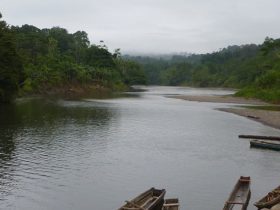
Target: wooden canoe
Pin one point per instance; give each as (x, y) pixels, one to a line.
(265, 144)
(270, 199)
(171, 204)
(152, 199)
(271, 138)
(240, 195)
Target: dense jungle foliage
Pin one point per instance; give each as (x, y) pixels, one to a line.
(255, 69)
(37, 60)
(11, 70)
(34, 60)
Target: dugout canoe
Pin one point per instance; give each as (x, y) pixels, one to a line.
(171, 204)
(151, 199)
(270, 199)
(271, 138)
(265, 144)
(240, 195)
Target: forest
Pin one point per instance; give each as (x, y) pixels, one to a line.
(41, 61)
(253, 69)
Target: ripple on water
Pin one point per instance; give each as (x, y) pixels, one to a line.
(96, 154)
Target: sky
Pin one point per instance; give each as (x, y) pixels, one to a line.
(154, 26)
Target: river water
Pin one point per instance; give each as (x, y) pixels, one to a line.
(95, 154)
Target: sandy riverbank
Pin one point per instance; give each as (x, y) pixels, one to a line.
(222, 99)
(271, 118)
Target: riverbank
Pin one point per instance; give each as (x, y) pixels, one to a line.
(75, 91)
(270, 118)
(267, 117)
(221, 99)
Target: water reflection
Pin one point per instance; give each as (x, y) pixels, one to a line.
(40, 138)
(9, 124)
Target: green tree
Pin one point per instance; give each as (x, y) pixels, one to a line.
(99, 57)
(10, 64)
(131, 72)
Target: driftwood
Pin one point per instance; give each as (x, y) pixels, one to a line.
(272, 138)
(253, 117)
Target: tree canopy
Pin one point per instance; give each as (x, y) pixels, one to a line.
(253, 68)
(35, 60)
(10, 64)
(38, 60)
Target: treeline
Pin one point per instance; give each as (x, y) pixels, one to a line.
(255, 69)
(34, 60)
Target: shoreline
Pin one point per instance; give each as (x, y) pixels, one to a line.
(221, 99)
(71, 91)
(266, 117)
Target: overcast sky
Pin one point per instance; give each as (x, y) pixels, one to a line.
(154, 26)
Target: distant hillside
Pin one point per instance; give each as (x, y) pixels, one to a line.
(253, 68)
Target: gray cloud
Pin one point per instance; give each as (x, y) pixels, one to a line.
(154, 25)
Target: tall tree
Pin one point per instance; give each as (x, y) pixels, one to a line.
(10, 64)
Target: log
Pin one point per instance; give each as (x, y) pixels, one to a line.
(272, 138)
(253, 117)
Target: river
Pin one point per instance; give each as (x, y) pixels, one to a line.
(95, 154)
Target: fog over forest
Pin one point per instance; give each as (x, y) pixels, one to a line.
(157, 26)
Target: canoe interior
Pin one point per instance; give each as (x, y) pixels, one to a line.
(266, 142)
(149, 200)
(270, 199)
(171, 204)
(239, 197)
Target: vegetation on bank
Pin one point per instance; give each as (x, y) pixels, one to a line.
(37, 60)
(266, 86)
(254, 69)
(34, 60)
